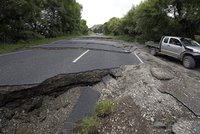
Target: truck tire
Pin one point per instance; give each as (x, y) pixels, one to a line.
(152, 51)
(189, 62)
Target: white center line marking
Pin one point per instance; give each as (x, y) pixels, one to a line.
(80, 56)
(138, 58)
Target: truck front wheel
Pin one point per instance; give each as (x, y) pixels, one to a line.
(189, 62)
(152, 51)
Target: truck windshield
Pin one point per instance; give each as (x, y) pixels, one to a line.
(188, 42)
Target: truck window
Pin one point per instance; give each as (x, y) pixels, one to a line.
(175, 42)
(189, 42)
(166, 40)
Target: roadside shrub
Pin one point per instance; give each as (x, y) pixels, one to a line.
(90, 125)
(104, 108)
(87, 126)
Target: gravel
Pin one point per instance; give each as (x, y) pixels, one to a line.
(138, 87)
(186, 127)
(43, 114)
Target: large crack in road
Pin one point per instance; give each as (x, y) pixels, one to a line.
(43, 107)
(42, 62)
(54, 84)
(82, 48)
(17, 101)
(32, 100)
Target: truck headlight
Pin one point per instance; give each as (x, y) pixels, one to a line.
(196, 51)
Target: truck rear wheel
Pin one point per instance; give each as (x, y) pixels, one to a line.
(189, 62)
(152, 51)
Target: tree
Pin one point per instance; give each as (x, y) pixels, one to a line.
(17, 19)
(83, 27)
(129, 23)
(187, 14)
(32, 19)
(97, 29)
(154, 18)
(112, 26)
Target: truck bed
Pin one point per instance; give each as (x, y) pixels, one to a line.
(152, 44)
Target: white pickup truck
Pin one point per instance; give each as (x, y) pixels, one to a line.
(184, 49)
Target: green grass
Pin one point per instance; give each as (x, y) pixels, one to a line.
(5, 48)
(104, 108)
(90, 125)
(87, 126)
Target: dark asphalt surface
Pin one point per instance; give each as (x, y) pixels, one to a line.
(36, 65)
(83, 42)
(189, 96)
(82, 109)
(87, 44)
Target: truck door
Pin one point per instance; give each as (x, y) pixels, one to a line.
(175, 48)
(164, 46)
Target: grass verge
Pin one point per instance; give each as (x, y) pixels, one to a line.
(5, 48)
(90, 125)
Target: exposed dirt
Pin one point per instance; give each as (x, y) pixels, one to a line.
(138, 93)
(43, 108)
(38, 115)
(141, 102)
(127, 119)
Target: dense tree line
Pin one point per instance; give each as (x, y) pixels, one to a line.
(32, 19)
(154, 18)
(97, 28)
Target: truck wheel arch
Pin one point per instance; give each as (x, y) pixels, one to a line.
(189, 61)
(186, 54)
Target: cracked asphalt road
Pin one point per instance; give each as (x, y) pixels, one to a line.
(39, 63)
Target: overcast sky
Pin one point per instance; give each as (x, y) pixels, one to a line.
(100, 11)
